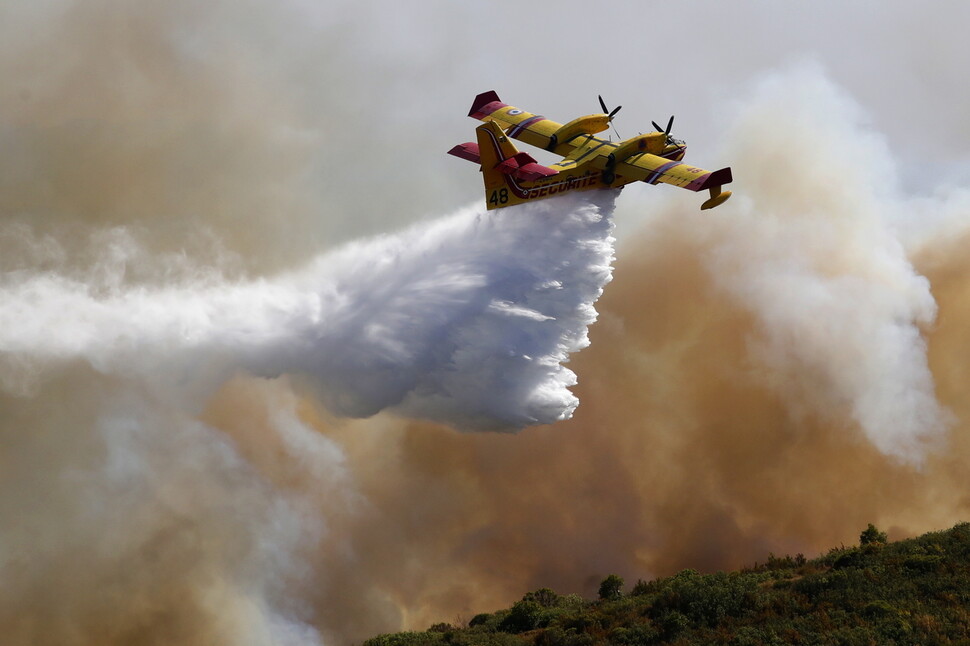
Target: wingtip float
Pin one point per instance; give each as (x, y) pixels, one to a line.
(514, 177)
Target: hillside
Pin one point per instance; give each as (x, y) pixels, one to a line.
(915, 591)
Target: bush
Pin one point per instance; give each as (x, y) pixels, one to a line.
(849, 558)
(611, 588)
(708, 599)
(583, 621)
(404, 639)
(673, 623)
(544, 597)
(878, 609)
(872, 536)
(523, 616)
(480, 619)
(747, 636)
(551, 637)
(635, 635)
(784, 562)
(923, 563)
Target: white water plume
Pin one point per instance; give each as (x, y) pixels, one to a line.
(466, 320)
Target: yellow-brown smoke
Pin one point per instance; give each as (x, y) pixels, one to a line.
(153, 141)
(676, 458)
(697, 443)
(673, 461)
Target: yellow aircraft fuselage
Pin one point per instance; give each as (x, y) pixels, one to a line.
(513, 177)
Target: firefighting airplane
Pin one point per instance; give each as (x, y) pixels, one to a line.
(513, 177)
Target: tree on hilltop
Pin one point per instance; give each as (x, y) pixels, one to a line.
(872, 536)
(611, 588)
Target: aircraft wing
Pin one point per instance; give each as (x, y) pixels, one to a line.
(533, 129)
(653, 169)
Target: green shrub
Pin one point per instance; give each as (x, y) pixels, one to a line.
(544, 597)
(878, 609)
(641, 588)
(851, 557)
(923, 563)
(635, 635)
(523, 616)
(709, 599)
(870, 535)
(611, 588)
(480, 619)
(672, 624)
(405, 639)
(910, 592)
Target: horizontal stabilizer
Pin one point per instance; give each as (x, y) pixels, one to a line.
(481, 101)
(467, 151)
(524, 167)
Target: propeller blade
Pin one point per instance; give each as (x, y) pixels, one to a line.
(615, 110)
(602, 103)
(670, 124)
(659, 129)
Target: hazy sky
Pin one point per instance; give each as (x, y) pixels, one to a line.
(901, 62)
(331, 96)
(767, 377)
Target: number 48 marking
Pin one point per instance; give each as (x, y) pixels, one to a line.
(499, 197)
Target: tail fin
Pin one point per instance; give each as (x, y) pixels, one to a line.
(493, 149)
(503, 166)
(499, 156)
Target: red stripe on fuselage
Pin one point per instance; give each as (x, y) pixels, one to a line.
(519, 127)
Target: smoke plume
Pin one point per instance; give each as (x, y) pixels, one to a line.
(769, 377)
(192, 362)
(466, 320)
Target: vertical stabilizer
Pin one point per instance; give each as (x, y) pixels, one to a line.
(494, 147)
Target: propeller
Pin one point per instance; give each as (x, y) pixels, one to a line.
(670, 124)
(610, 113)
